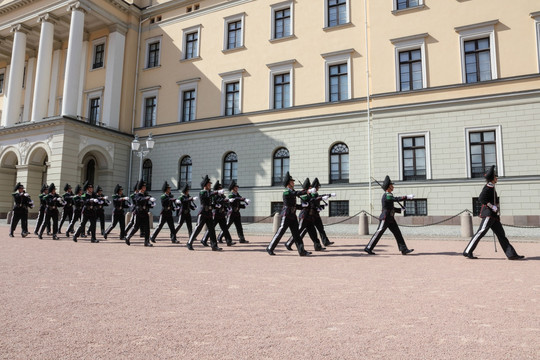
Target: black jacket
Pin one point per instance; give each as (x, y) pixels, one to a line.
(488, 196)
(388, 209)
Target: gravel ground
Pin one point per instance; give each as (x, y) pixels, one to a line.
(66, 300)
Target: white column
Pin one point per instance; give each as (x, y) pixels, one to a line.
(14, 88)
(73, 61)
(43, 72)
(28, 87)
(6, 81)
(53, 88)
(82, 78)
(113, 77)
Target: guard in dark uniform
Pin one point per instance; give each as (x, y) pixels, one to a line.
(89, 201)
(21, 203)
(187, 203)
(100, 209)
(491, 219)
(143, 203)
(387, 220)
(237, 202)
(120, 202)
(53, 201)
(288, 217)
(221, 207)
(77, 209)
(205, 215)
(320, 207)
(42, 207)
(67, 212)
(168, 205)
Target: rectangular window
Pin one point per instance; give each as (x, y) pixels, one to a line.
(234, 34)
(276, 207)
(282, 23)
(477, 60)
(405, 4)
(337, 12)
(416, 207)
(339, 208)
(414, 158)
(338, 82)
(150, 106)
(153, 54)
(410, 70)
(99, 56)
(93, 113)
(282, 89)
(483, 151)
(188, 104)
(192, 45)
(232, 98)
(2, 83)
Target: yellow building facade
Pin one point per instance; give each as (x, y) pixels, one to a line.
(429, 92)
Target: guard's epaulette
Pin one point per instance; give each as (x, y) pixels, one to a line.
(231, 195)
(163, 196)
(304, 197)
(286, 192)
(202, 192)
(389, 196)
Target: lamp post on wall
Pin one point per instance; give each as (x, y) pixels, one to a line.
(140, 151)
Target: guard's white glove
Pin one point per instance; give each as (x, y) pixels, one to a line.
(178, 201)
(152, 199)
(247, 201)
(26, 194)
(59, 200)
(218, 206)
(231, 200)
(304, 204)
(410, 197)
(221, 191)
(312, 191)
(195, 198)
(333, 194)
(125, 198)
(105, 197)
(494, 208)
(94, 200)
(325, 197)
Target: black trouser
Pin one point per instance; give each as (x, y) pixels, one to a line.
(167, 218)
(204, 218)
(22, 215)
(495, 225)
(67, 213)
(288, 221)
(40, 220)
(236, 219)
(132, 222)
(100, 215)
(320, 227)
(306, 226)
(394, 228)
(184, 218)
(142, 221)
(224, 230)
(76, 217)
(50, 214)
(87, 218)
(118, 218)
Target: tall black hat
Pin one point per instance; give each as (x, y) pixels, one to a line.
(86, 185)
(52, 187)
(491, 173)
(77, 188)
(140, 184)
(185, 188)
(117, 188)
(99, 188)
(232, 185)
(18, 186)
(386, 183)
(316, 183)
(67, 187)
(44, 187)
(306, 184)
(286, 179)
(205, 181)
(165, 186)
(217, 185)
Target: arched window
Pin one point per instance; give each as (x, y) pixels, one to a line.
(281, 165)
(339, 163)
(230, 169)
(90, 171)
(147, 173)
(184, 172)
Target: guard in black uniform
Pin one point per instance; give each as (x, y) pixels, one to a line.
(143, 203)
(89, 202)
(320, 207)
(120, 202)
(187, 203)
(42, 207)
(237, 202)
(168, 205)
(205, 215)
(67, 212)
(53, 201)
(387, 220)
(221, 208)
(21, 203)
(100, 209)
(288, 217)
(77, 209)
(491, 219)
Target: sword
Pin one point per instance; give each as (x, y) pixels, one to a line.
(372, 178)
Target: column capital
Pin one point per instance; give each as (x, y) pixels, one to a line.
(120, 28)
(20, 28)
(77, 5)
(48, 17)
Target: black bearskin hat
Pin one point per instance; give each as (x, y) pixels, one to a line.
(185, 188)
(86, 185)
(77, 188)
(316, 183)
(232, 185)
(52, 187)
(217, 185)
(117, 188)
(165, 186)
(44, 187)
(286, 179)
(490, 174)
(18, 186)
(99, 188)
(306, 184)
(67, 187)
(205, 181)
(386, 183)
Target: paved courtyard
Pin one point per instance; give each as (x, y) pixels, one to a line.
(66, 300)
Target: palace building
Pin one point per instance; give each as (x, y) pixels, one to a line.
(431, 93)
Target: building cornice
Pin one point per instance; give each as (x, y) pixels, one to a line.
(14, 5)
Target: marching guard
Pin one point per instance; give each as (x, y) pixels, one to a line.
(237, 202)
(220, 203)
(288, 218)
(21, 203)
(100, 211)
(67, 212)
(42, 207)
(168, 205)
(120, 202)
(387, 220)
(89, 202)
(317, 216)
(77, 209)
(205, 215)
(53, 202)
(142, 203)
(187, 203)
(490, 214)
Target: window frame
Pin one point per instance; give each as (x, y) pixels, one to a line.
(281, 68)
(278, 7)
(148, 173)
(183, 86)
(327, 15)
(230, 19)
(185, 33)
(148, 42)
(226, 182)
(95, 44)
(148, 93)
(336, 58)
(228, 78)
(415, 202)
(498, 147)
(427, 145)
(93, 94)
(409, 43)
(475, 32)
(333, 203)
(340, 180)
(190, 171)
(395, 4)
(280, 182)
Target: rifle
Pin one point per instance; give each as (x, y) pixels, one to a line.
(372, 178)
